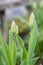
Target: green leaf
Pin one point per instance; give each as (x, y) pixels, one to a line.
(34, 60)
(5, 49)
(20, 44)
(24, 55)
(19, 41)
(2, 61)
(12, 47)
(23, 62)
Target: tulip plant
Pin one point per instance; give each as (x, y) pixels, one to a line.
(15, 53)
(38, 12)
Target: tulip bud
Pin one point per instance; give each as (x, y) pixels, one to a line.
(32, 19)
(14, 27)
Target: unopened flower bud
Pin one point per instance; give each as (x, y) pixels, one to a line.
(14, 27)
(32, 19)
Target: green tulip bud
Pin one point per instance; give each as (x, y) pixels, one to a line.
(31, 21)
(14, 27)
